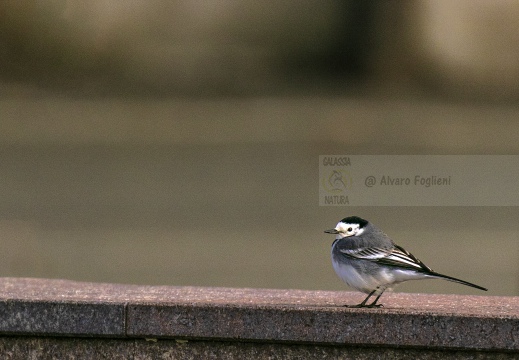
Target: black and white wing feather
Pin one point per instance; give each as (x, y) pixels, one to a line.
(396, 256)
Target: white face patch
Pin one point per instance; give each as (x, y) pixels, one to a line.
(346, 230)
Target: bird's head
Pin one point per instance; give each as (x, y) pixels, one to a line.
(349, 226)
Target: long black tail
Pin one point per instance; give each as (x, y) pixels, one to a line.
(453, 279)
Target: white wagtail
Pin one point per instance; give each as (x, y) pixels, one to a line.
(368, 260)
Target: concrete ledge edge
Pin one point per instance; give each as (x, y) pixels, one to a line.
(48, 307)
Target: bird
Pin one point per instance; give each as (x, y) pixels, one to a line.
(367, 260)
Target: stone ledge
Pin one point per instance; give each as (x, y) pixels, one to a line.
(41, 348)
(44, 308)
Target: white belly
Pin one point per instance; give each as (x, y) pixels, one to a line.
(381, 278)
(353, 278)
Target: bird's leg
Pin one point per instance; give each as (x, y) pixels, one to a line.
(363, 304)
(372, 305)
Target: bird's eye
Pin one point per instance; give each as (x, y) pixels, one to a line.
(350, 229)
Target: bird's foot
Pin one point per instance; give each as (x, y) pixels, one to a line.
(370, 306)
(374, 306)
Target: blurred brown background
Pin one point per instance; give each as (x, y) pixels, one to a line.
(177, 142)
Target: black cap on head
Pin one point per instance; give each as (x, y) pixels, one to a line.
(355, 220)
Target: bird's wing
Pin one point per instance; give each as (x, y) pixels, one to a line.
(396, 256)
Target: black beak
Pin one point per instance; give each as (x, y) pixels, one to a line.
(331, 231)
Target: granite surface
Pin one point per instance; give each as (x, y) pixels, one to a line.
(43, 307)
(42, 348)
